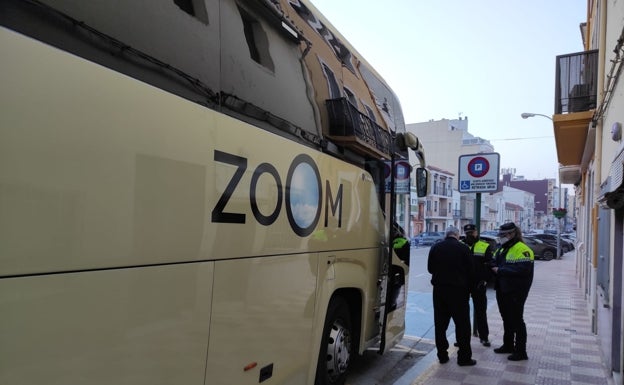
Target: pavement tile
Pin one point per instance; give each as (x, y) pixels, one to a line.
(561, 347)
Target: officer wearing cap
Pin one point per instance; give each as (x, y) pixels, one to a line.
(514, 276)
(482, 258)
(452, 275)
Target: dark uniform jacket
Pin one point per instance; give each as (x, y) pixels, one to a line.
(483, 259)
(515, 267)
(450, 264)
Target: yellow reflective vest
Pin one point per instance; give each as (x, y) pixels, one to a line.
(480, 247)
(519, 253)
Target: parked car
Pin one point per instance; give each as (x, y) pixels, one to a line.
(487, 238)
(566, 245)
(427, 238)
(491, 239)
(569, 237)
(541, 249)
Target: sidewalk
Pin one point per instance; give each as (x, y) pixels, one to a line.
(561, 347)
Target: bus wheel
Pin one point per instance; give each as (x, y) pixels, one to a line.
(335, 354)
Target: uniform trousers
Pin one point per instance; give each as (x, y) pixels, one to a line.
(511, 307)
(452, 302)
(479, 303)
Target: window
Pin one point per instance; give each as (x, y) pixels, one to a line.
(350, 97)
(334, 90)
(195, 8)
(369, 112)
(257, 40)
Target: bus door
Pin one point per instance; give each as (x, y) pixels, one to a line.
(394, 270)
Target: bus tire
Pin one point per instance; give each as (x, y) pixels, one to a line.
(336, 348)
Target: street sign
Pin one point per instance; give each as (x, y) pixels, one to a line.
(479, 172)
(402, 170)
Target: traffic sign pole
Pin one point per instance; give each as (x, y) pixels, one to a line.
(478, 213)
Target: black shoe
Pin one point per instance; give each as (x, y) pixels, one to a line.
(443, 360)
(486, 343)
(467, 363)
(503, 349)
(517, 356)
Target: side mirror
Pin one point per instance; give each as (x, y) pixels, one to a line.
(409, 140)
(422, 182)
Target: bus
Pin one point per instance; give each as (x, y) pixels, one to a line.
(195, 192)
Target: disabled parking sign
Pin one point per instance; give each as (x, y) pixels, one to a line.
(478, 172)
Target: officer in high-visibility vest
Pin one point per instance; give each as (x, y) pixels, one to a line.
(514, 276)
(400, 243)
(482, 254)
(401, 247)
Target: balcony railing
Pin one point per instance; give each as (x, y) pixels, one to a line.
(467, 214)
(440, 213)
(351, 127)
(446, 192)
(576, 79)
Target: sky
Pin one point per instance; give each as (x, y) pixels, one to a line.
(487, 60)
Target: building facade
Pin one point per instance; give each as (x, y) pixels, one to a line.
(446, 140)
(587, 123)
(439, 202)
(545, 199)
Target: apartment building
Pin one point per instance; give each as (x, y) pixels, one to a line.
(587, 123)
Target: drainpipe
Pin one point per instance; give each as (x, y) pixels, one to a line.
(598, 165)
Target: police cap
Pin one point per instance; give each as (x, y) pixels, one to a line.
(470, 227)
(506, 228)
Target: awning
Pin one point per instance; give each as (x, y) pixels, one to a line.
(612, 191)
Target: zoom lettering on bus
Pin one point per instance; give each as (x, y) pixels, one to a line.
(302, 194)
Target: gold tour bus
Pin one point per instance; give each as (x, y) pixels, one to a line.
(194, 192)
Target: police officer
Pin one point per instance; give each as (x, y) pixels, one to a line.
(452, 274)
(401, 246)
(400, 243)
(514, 276)
(482, 258)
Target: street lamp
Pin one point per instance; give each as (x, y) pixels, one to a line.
(526, 115)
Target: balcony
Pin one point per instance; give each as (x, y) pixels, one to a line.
(353, 129)
(467, 214)
(575, 102)
(442, 191)
(440, 213)
(576, 79)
